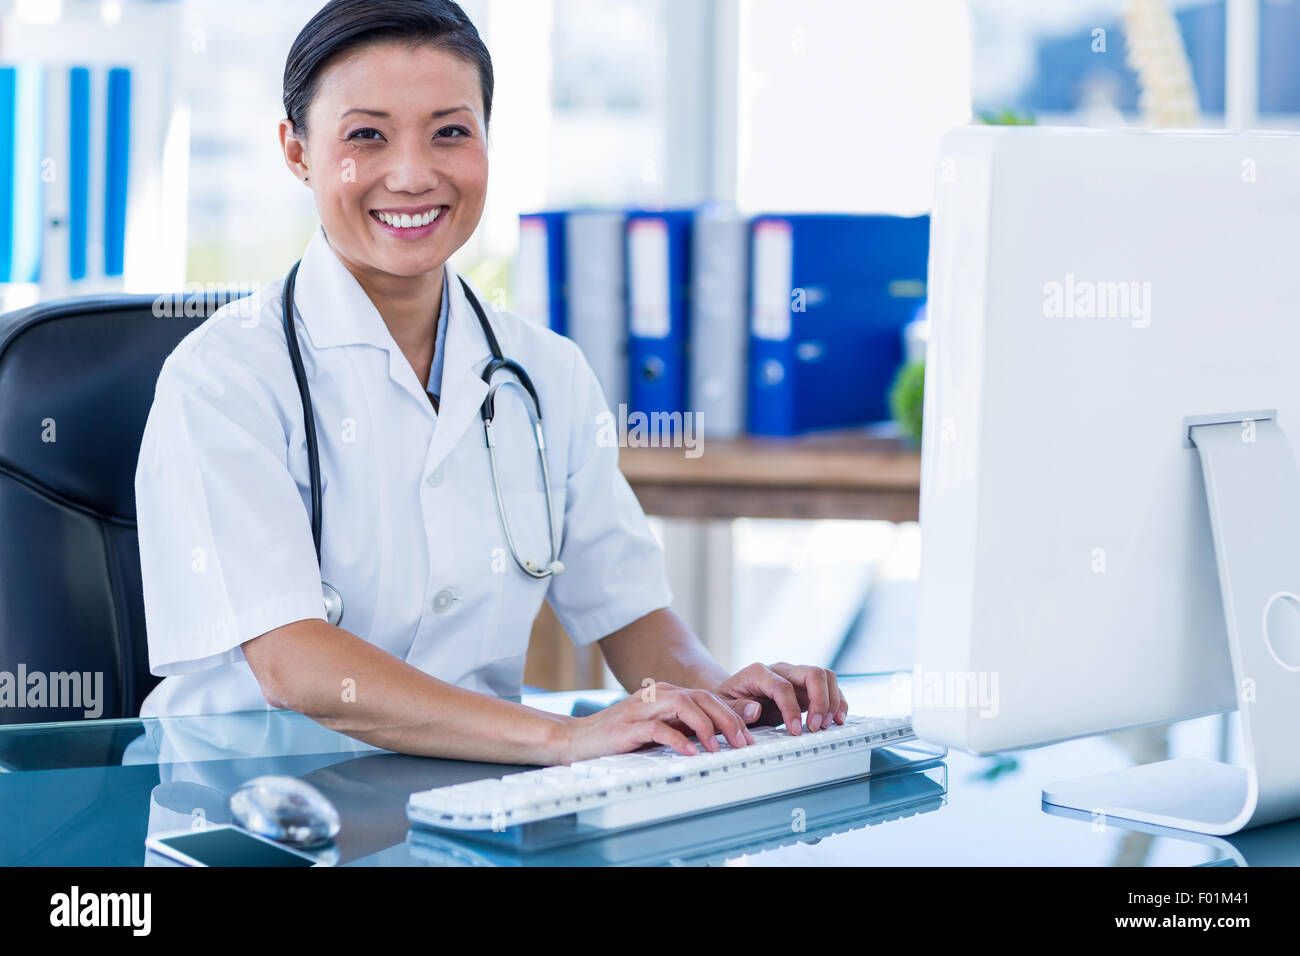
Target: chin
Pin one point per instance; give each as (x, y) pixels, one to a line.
(410, 263)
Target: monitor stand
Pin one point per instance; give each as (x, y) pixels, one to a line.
(1253, 488)
(1275, 845)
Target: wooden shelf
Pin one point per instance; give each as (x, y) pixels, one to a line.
(840, 474)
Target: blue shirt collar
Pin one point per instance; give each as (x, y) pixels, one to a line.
(435, 371)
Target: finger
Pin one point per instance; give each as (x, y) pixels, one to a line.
(819, 696)
(661, 733)
(790, 672)
(813, 681)
(834, 699)
(781, 692)
(681, 706)
(841, 707)
(724, 718)
(746, 708)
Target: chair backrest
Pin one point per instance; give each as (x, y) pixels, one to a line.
(77, 379)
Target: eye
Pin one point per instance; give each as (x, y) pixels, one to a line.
(368, 129)
(458, 129)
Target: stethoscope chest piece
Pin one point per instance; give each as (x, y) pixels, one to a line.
(333, 603)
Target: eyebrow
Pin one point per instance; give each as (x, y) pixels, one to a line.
(436, 114)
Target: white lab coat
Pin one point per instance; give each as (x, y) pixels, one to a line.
(411, 535)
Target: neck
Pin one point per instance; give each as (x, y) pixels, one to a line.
(409, 306)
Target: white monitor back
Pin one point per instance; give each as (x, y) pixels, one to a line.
(1090, 290)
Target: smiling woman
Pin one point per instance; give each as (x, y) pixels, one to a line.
(373, 360)
(388, 104)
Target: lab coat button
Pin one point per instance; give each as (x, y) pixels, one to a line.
(435, 479)
(443, 600)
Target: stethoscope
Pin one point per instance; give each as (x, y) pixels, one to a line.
(521, 381)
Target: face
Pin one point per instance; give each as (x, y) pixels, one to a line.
(394, 131)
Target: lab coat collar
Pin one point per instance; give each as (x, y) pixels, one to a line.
(336, 311)
(463, 388)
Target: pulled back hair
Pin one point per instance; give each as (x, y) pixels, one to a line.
(342, 26)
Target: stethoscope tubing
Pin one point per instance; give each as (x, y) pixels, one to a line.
(333, 599)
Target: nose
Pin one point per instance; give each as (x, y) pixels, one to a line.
(413, 167)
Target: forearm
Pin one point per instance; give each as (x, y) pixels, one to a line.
(351, 686)
(660, 647)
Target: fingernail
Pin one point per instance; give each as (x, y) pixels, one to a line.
(814, 721)
(751, 710)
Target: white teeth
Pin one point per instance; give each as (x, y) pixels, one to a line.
(404, 221)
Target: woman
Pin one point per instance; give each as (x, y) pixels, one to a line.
(387, 107)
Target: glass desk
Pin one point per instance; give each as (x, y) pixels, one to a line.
(88, 794)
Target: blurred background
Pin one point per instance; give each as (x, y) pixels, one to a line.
(795, 545)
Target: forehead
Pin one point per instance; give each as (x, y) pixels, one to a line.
(396, 77)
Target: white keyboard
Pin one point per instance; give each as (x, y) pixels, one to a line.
(649, 785)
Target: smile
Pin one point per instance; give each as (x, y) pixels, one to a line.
(409, 224)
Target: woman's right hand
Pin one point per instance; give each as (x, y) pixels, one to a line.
(661, 713)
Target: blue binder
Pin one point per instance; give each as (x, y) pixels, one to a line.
(540, 270)
(829, 296)
(22, 153)
(117, 156)
(658, 249)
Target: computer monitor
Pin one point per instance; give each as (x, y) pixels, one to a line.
(1115, 329)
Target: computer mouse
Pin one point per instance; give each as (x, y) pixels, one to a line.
(285, 809)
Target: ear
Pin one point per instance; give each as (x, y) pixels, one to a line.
(294, 147)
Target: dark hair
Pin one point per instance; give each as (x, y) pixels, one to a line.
(342, 26)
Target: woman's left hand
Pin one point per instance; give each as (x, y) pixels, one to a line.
(784, 692)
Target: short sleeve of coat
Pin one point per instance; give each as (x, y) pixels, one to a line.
(614, 568)
(226, 551)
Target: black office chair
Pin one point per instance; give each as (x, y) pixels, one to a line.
(77, 379)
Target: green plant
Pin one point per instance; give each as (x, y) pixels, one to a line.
(1007, 117)
(907, 399)
(493, 276)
